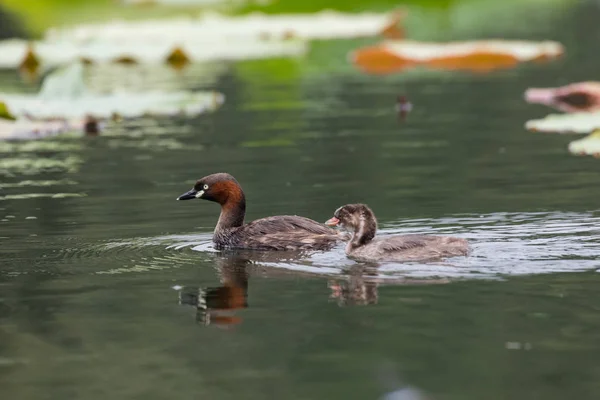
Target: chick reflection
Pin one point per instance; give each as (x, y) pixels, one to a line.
(216, 305)
(359, 288)
(361, 285)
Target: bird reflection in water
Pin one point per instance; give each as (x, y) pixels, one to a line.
(361, 285)
(359, 288)
(217, 305)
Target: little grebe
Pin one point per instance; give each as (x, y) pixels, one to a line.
(363, 246)
(284, 232)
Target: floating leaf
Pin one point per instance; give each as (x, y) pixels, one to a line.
(392, 30)
(210, 37)
(576, 97)
(135, 51)
(214, 27)
(478, 56)
(64, 96)
(566, 123)
(589, 145)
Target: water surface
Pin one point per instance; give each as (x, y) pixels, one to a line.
(109, 288)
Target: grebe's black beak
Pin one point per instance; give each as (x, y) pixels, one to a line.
(192, 194)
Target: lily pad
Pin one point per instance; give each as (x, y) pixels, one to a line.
(14, 52)
(477, 55)
(215, 27)
(209, 37)
(576, 97)
(566, 123)
(64, 96)
(589, 145)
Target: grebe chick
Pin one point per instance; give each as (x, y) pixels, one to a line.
(284, 232)
(359, 219)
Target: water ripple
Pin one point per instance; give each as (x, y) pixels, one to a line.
(38, 195)
(34, 166)
(502, 244)
(38, 183)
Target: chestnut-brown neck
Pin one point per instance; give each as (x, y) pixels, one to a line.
(233, 205)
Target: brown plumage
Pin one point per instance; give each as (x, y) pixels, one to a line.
(285, 232)
(361, 221)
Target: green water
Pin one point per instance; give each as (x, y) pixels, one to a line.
(92, 241)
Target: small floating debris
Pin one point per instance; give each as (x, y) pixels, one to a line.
(403, 107)
(582, 122)
(576, 97)
(476, 56)
(178, 58)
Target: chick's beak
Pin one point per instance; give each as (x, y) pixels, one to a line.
(192, 194)
(332, 221)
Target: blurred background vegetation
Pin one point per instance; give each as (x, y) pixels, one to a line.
(38, 15)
